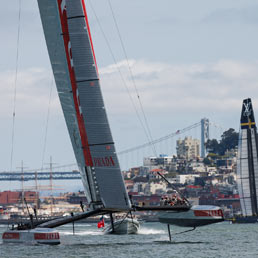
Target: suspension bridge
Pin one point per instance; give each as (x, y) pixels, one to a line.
(201, 130)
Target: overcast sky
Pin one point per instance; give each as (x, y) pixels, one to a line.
(190, 59)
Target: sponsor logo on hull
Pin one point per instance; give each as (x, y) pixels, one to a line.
(10, 235)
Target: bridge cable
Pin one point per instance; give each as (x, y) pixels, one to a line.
(171, 135)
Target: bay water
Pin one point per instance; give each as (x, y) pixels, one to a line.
(217, 240)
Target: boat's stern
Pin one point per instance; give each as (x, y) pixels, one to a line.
(207, 214)
(46, 236)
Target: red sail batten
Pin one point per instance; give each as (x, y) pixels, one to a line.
(88, 28)
(66, 38)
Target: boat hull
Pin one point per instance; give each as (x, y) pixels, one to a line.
(199, 215)
(242, 220)
(45, 236)
(124, 227)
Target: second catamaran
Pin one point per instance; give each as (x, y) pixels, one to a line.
(247, 165)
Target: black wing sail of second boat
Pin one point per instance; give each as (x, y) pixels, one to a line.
(72, 57)
(247, 163)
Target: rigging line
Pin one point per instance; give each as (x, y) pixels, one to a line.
(132, 77)
(47, 122)
(120, 73)
(49, 105)
(15, 86)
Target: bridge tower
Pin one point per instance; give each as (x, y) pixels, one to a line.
(204, 135)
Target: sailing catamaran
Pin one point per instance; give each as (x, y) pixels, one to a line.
(247, 165)
(190, 216)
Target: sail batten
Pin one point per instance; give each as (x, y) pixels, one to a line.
(74, 66)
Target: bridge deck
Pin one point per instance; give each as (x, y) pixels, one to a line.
(31, 176)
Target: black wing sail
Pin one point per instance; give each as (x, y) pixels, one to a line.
(247, 164)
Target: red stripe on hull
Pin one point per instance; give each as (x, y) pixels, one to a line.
(46, 236)
(208, 213)
(66, 38)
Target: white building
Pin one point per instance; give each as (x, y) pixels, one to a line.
(156, 162)
(156, 188)
(150, 161)
(189, 179)
(188, 148)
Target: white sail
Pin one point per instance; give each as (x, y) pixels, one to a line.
(74, 66)
(247, 162)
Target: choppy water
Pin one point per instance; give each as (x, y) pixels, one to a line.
(218, 240)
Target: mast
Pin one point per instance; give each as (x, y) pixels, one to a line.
(247, 164)
(73, 61)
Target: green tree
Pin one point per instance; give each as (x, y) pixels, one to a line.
(206, 161)
(212, 146)
(229, 140)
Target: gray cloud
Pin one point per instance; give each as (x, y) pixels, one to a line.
(200, 84)
(233, 15)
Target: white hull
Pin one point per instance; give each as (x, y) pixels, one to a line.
(123, 227)
(32, 236)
